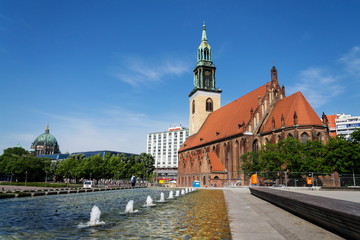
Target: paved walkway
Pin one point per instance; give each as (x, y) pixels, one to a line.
(253, 218)
(20, 188)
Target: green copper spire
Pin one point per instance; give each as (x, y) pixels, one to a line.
(204, 72)
(203, 37)
(204, 50)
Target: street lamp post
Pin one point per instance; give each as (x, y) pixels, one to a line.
(26, 178)
(11, 177)
(45, 178)
(354, 177)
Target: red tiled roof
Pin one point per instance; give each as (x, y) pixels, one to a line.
(216, 165)
(225, 121)
(287, 107)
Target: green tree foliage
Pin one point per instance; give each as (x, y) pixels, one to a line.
(338, 155)
(342, 155)
(272, 158)
(251, 162)
(118, 166)
(315, 158)
(69, 167)
(22, 165)
(355, 136)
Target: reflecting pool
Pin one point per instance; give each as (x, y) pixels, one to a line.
(196, 215)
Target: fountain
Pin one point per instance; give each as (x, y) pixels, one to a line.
(177, 194)
(186, 190)
(171, 195)
(182, 192)
(94, 218)
(130, 207)
(162, 197)
(60, 216)
(149, 202)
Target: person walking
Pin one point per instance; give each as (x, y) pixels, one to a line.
(133, 180)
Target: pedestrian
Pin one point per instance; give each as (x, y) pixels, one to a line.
(133, 180)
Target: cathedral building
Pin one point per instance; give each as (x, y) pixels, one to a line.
(220, 135)
(45, 144)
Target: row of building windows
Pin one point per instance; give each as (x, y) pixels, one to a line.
(163, 146)
(354, 125)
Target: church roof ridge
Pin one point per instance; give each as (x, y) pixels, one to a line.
(226, 120)
(287, 107)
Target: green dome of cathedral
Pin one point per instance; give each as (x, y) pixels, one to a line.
(45, 144)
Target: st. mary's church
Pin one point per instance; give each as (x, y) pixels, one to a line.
(220, 135)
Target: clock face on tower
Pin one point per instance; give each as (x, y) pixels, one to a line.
(207, 79)
(207, 83)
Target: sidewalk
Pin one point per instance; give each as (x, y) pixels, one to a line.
(21, 188)
(252, 218)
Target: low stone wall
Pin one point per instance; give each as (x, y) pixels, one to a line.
(53, 191)
(341, 217)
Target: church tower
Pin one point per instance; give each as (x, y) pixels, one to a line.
(205, 97)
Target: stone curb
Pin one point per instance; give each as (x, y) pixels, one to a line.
(342, 217)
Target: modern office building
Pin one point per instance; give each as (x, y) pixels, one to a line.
(102, 153)
(163, 146)
(343, 124)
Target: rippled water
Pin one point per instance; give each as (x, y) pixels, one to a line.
(196, 215)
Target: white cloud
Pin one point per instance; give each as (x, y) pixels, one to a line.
(317, 85)
(136, 70)
(110, 129)
(351, 60)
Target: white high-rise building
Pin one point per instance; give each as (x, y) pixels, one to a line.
(346, 124)
(164, 146)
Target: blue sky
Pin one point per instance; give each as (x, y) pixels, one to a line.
(104, 74)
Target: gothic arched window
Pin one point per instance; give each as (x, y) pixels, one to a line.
(209, 105)
(304, 137)
(255, 146)
(206, 54)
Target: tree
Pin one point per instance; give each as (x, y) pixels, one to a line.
(148, 164)
(271, 158)
(314, 158)
(18, 151)
(340, 155)
(117, 166)
(355, 136)
(69, 166)
(291, 155)
(251, 162)
(21, 165)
